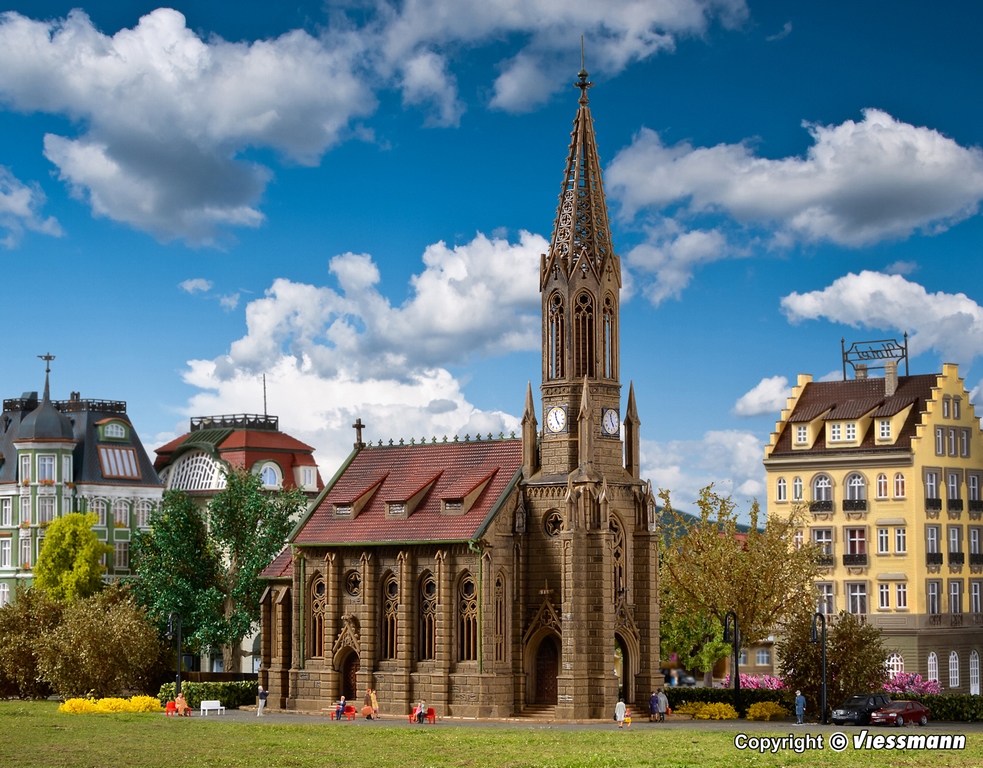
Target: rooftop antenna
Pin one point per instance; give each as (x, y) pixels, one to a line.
(264, 395)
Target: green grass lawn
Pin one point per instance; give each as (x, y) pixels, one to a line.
(35, 734)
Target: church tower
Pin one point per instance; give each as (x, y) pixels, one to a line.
(590, 544)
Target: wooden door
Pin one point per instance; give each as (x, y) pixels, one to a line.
(547, 667)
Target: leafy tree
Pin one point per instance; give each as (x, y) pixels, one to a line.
(24, 623)
(710, 568)
(177, 566)
(855, 657)
(104, 645)
(69, 565)
(695, 639)
(247, 527)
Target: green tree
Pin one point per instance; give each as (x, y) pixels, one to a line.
(70, 563)
(855, 657)
(177, 567)
(709, 567)
(247, 527)
(104, 645)
(24, 624)
(696, 640)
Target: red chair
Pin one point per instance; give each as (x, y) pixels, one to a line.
(171, 709)
(350, 711)
(431, 716)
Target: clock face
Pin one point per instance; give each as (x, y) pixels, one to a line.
(556, 419)
(610, 421)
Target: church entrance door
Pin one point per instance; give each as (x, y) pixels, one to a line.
(547, 667)
(349, 677)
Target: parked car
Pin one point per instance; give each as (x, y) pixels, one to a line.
(859, 707)
(900, 712)
(678, 677)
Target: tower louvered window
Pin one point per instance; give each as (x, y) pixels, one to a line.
(556, 341)
(583, 339)
(610, 340)
(619, 559)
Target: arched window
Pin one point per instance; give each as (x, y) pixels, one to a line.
(557, 337)
(933, 666)
(974, 674)
(797, 489)
(269, 476)
(895, 665)
(882, 486)
(781, 491)
(319, 606)
(953, 670)
(428, 617)
(121, 514)
(143, 510)
(583, 336)
(467, 619)
(99, 507)
(390, 616)
(610, 339)
(196, 471)
(822, 489)
(856, 487)
(618, 559)
(500, 618)
(899, 491)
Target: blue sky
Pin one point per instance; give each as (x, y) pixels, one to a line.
(351, 198)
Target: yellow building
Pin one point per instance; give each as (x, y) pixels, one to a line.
(889, 471)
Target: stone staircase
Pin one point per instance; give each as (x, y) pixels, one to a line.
(539, 711)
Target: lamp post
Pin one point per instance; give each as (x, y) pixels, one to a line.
(172, 620)
(734, 638)
(814, 637)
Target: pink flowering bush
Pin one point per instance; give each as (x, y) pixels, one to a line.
(764, 682)
(909, 682)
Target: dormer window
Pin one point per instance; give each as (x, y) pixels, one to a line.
(270, 476)
(114, 431)
(396, 508)
(801, 434)
(453, 505)
(884, 429)
(835, 433)
(344, 510)
(851, 431)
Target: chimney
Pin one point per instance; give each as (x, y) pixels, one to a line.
(860, 370)
(890, 377)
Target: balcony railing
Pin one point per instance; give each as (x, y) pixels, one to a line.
(955, 620)
(935, 620)
(957, 558)
(976, 558)
(854, 505)
(934, 505)
(826, 561)
(954, 505)
(826, 505)
(976, 505)
(933, 558)
(855, 559)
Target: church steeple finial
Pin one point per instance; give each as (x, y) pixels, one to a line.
(583, 84)
(47, 370)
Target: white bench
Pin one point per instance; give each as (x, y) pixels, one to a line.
(214, 705)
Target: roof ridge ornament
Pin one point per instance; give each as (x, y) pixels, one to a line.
(583, 84)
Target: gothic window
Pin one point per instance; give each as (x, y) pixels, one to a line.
(319, 606)
(610, 340)
(895, 665)
(500, 618)
(583, 338)
(933, 666)
(557, 337)
(467, 619)
(390, 616)
(428, 618)
(618, 559)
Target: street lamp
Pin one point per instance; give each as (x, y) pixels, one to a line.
(734, 638)
(172, 620)
(815, 638)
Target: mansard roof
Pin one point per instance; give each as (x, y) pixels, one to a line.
(852, 399)
(378, 476)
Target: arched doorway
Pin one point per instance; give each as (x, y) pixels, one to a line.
(624, 669)
(547, 668)
(349, 677)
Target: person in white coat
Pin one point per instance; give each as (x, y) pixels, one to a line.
(619, 713)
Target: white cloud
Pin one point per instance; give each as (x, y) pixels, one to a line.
(768, 396)
(901, 268)
(165, 113)
(229, 301)
(674, 256)
(729, 459)
(859, 183)
(785, 32)
(20, 206)
(426, 80)
(385, 364)
(949, 323)
(195, 284)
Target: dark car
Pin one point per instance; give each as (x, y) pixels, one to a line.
(678, 677)
(900, 712)
(859, 707)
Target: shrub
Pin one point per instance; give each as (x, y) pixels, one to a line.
(680, 696)
(756, 682)
(716, 712)
(24, 624)
(138, 704)
(232, 695)
(689, 708)
(910, 682)
(766, 710)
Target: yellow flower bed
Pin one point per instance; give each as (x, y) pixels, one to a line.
(716, 712)
(766, 710)
(109, 705)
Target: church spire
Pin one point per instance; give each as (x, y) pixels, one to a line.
(581, 240)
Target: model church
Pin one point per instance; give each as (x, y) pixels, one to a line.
(492, 577)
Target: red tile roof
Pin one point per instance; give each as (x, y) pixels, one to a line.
(403, 470)
(281, 567)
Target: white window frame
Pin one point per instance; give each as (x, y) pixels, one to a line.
(964, 443)
(952, 442)
(975, 597)
(99, 507)
(781, 490)
(884, 428)
(882, 486)
(899, 485)
(67, 474)
(883, 541)
(933, 666)
(797, 489)
(46, 467)
(121, 555)
(822, 488)
(939, 441)
(7, 512)
(901, 595)
(801, 435)
(955, 538)
(883, 597)
(856, 487)
(900, 540)
(932, 539)
(46, 510)
(953, 669)
(857, 598)
(25, 468)
(850, 432)
(932, 605)
(895, 665)
(25, 509)
(946, 401)
(121, 514)
(953, 485)
(4, 595)
(6, 552)
(932, 485)
(856, 541)
(823, 538)
(835, 433)
(25, 549)
(956, 403)
(973, 483)
(956, 597)
(762, 657)
(827, 598)
(143, 509)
